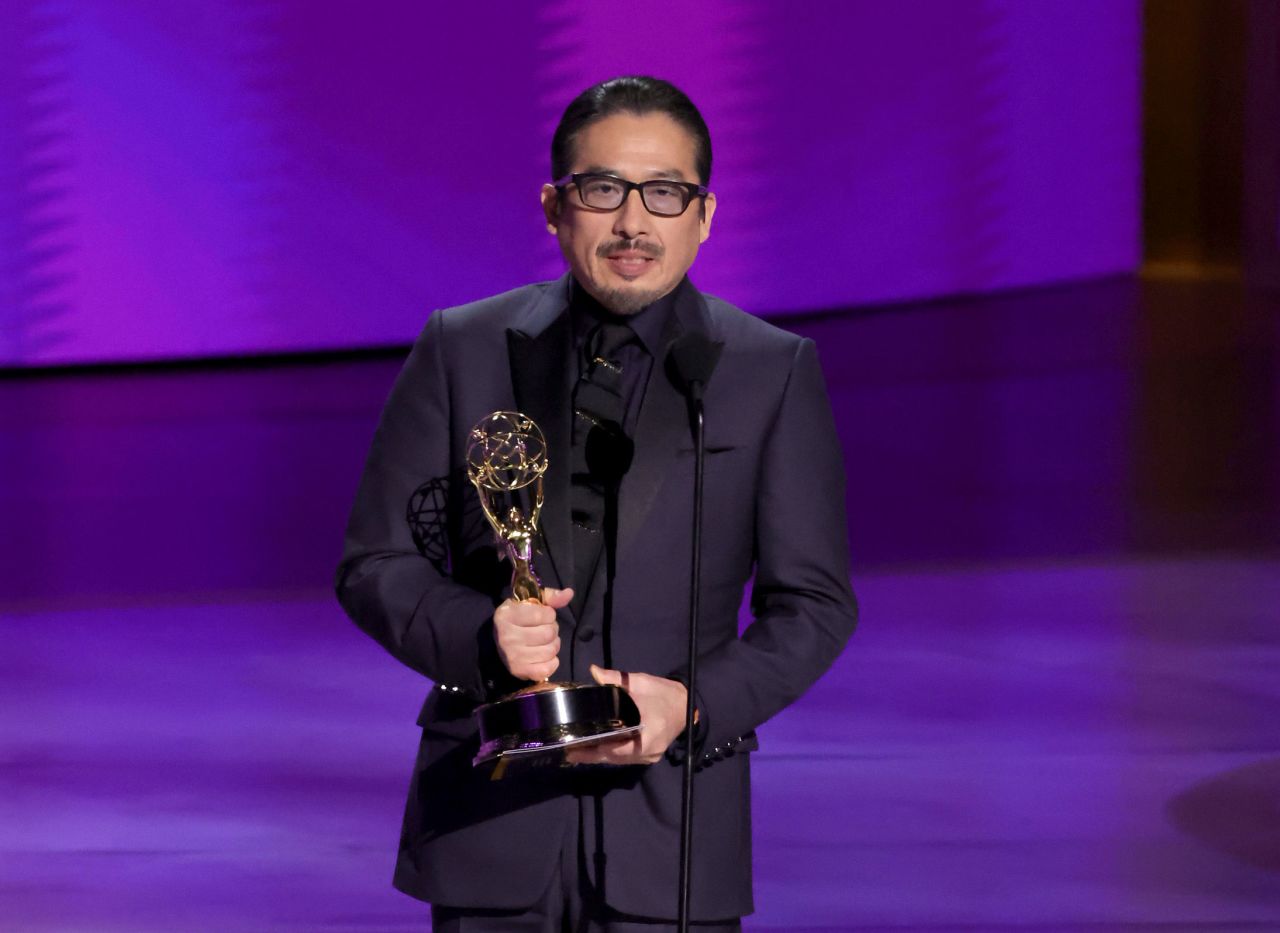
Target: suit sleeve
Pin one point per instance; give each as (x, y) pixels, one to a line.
(406, 602)
(802, 604)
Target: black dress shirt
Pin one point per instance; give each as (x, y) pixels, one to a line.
(651, 325)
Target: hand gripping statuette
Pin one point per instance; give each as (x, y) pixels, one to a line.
(506, 460)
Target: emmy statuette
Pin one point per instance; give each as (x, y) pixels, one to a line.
(506, 460)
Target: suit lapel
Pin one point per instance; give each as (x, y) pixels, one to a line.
(663, 426)
(540, 351)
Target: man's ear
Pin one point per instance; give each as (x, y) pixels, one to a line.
(551, 207)
(704, 217)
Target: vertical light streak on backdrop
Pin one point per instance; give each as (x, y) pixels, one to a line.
(262, 175)
(37, 172)
(979, 213)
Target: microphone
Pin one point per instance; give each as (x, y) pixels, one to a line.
(693, 358)
(691, 361)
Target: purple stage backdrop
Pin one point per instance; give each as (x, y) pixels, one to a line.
(227, 176)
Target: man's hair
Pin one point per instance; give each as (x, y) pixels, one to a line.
(635, 94)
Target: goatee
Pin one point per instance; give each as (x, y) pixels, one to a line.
(624, 301)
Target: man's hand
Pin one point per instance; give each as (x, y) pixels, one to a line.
(661, 703)
(528, 636)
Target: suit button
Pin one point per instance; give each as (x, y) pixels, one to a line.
(586, 633)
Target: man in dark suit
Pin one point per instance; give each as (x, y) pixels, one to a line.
(595, 846)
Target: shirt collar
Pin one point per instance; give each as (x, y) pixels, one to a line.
(649, 323)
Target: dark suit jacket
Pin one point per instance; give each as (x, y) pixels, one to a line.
(419, 573)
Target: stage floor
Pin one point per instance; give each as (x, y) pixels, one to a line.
(1036, 746)
(1061, 711)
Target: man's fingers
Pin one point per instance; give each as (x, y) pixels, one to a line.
(557, 599)
(537, 654)
(535, 636)
(532, 614)
(519, 657)
(620, 751)
(541, 672)
(534, 663)
(603, 675)
(536, 672)
(525, 623)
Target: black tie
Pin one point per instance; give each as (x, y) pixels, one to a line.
(601, 450)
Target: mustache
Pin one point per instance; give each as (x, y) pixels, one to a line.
(608, 248)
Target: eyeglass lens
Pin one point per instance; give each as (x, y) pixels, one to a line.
(604, 193)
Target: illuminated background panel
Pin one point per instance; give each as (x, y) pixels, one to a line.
(215, 179)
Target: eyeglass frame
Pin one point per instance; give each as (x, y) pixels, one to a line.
(695, 191)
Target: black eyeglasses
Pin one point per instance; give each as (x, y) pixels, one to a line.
(607, 192)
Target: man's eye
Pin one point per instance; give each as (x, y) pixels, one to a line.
(601, 187)
(664, 191)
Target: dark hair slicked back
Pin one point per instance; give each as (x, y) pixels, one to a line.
(636, 94)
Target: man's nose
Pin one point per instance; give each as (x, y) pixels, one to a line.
(632, 218)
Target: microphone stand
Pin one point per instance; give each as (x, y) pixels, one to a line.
(692, 357)
(686, 790)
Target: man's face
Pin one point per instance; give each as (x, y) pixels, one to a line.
(628, 258)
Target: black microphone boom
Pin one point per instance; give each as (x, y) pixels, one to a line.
(692, 360)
